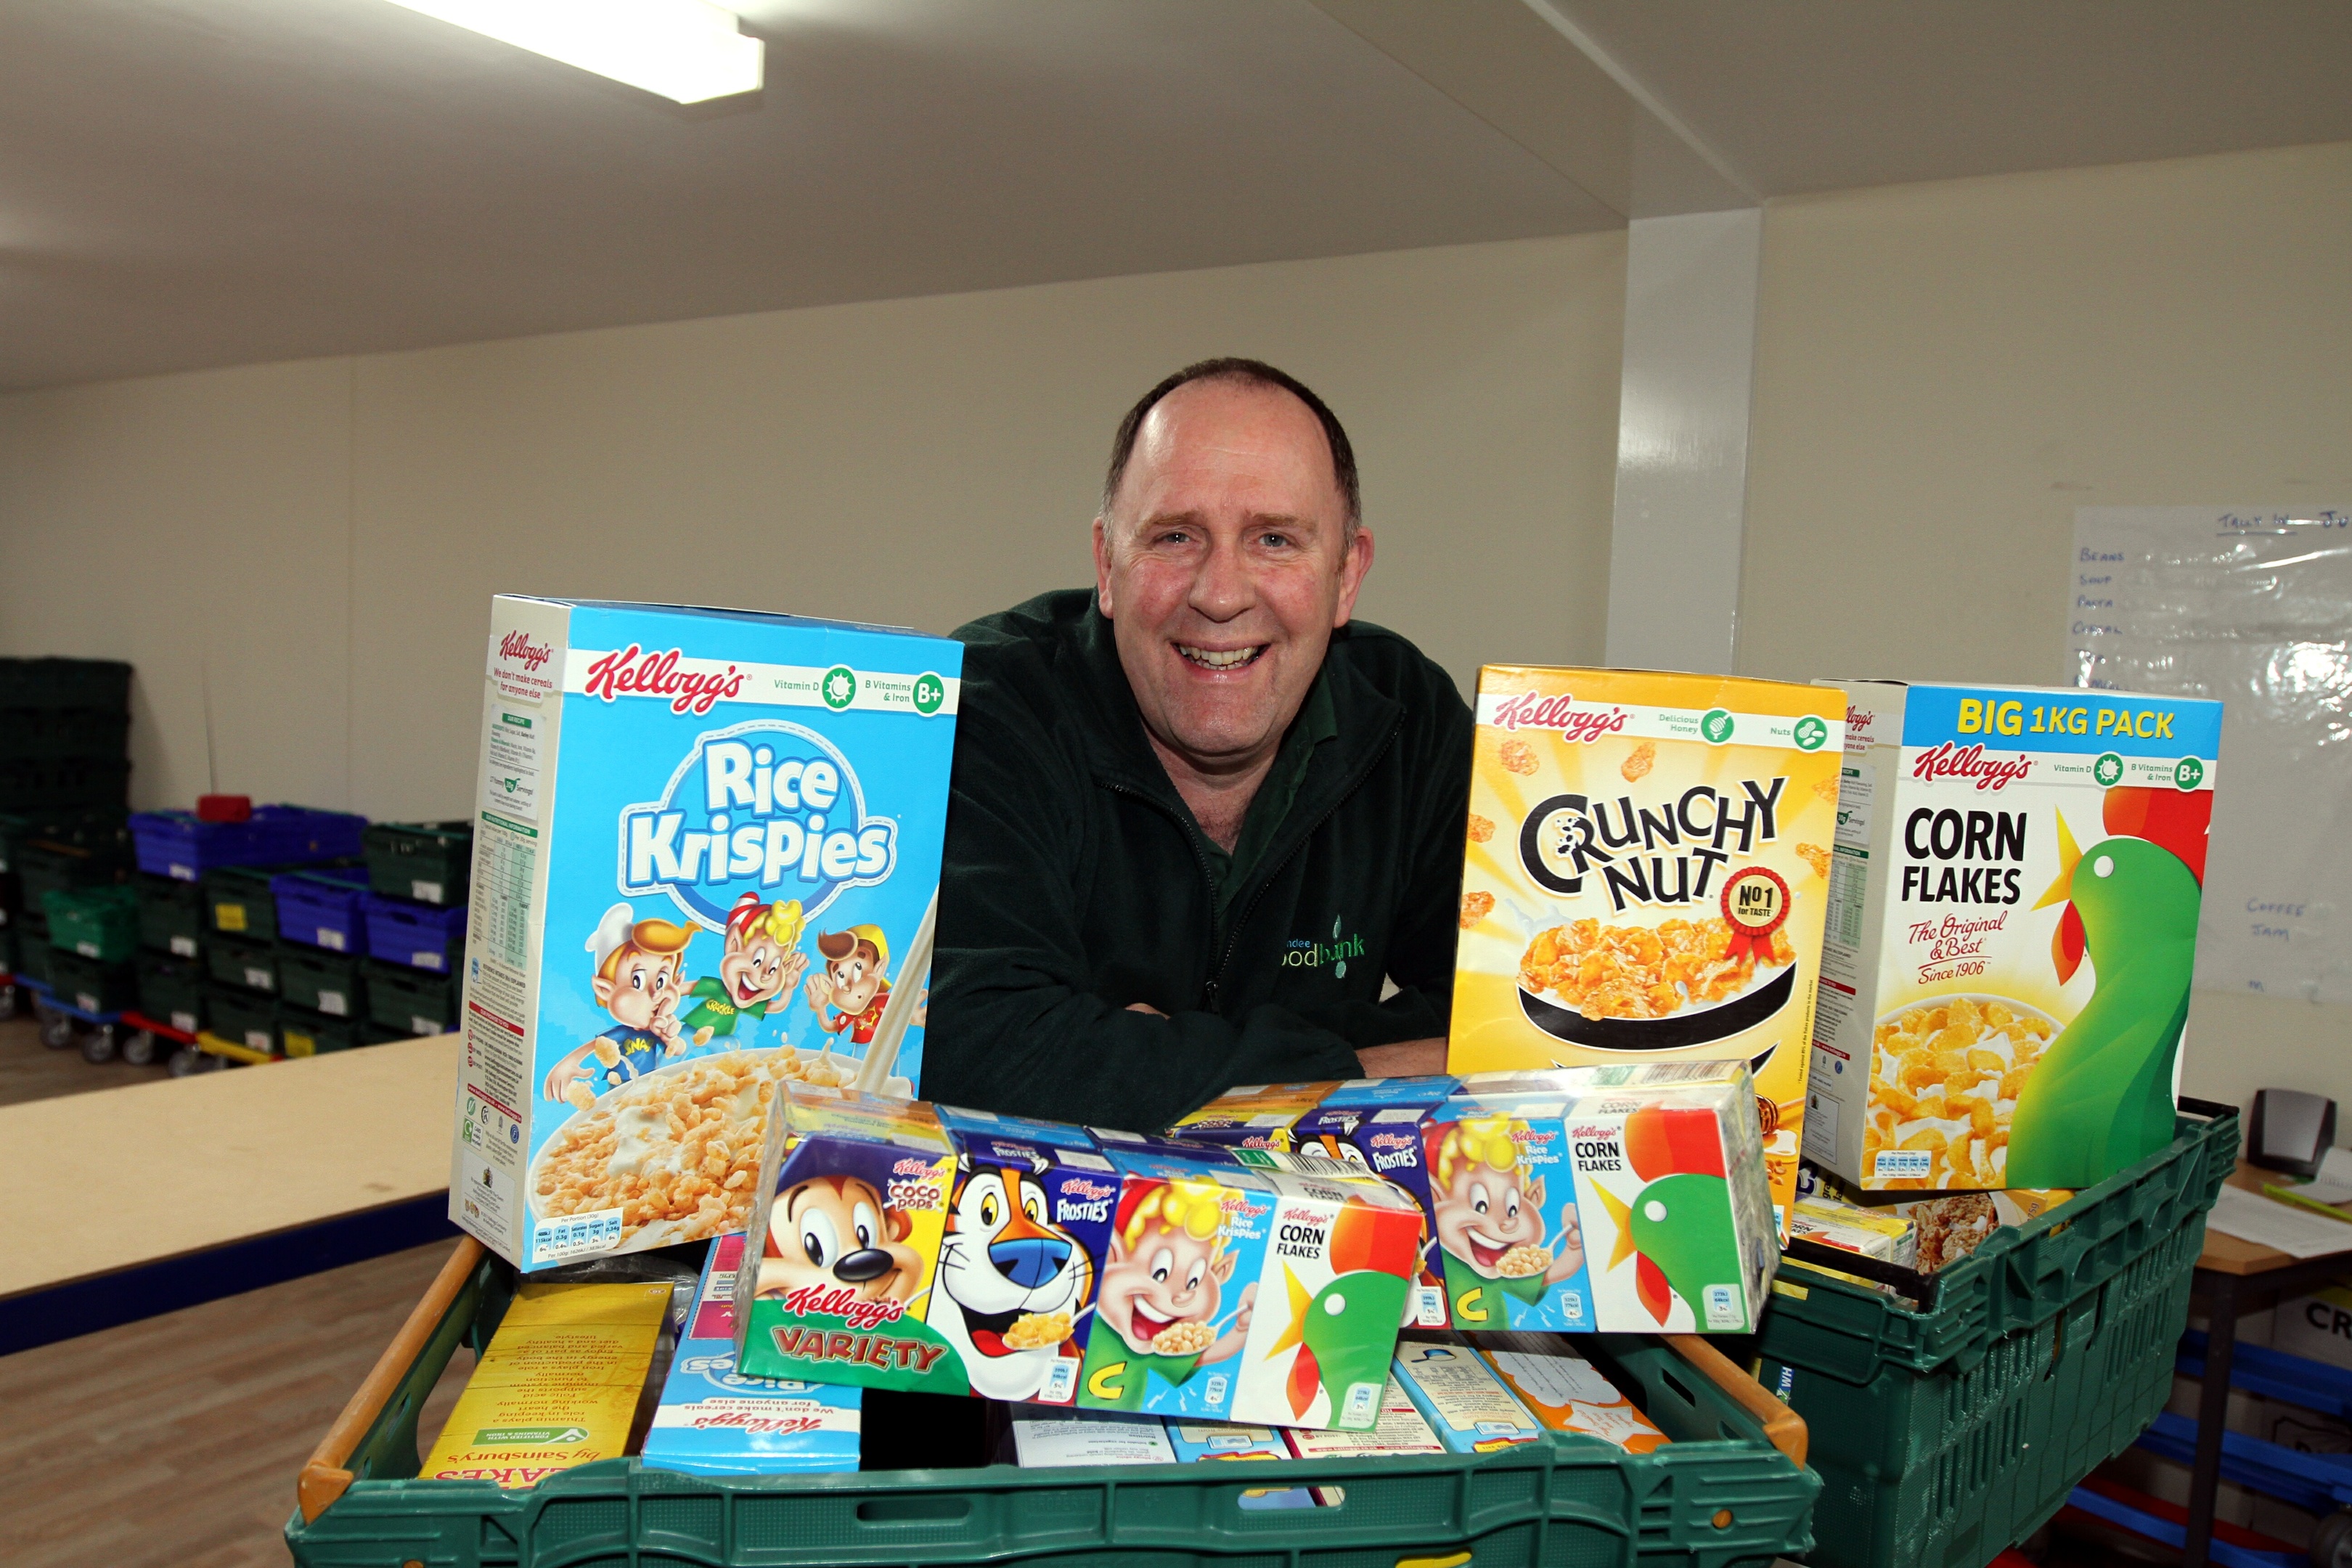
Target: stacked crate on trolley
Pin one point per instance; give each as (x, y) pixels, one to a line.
(73, 860)
(322, 942)
(415, 917)
(65, 773)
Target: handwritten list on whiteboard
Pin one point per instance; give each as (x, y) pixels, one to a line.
(2252, 607)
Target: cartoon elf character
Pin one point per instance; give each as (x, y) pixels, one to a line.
(636, 981)
(757, 971)
(853, 985)
(1162, 1285)
(1489, 1216)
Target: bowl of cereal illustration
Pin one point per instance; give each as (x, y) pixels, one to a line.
(676, 1151)
(1680, 983)
(1944, 1076)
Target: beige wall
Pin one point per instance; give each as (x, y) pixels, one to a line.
(313, 546)
(1945, 371)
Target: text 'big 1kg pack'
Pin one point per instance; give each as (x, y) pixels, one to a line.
(2012, 927)
(706, 861)
(1646, 874)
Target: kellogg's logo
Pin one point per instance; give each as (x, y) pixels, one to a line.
(516, 647)
(1946, 760)
(1531, 711)
(691, 686)
(840, 1301)
(768, 806)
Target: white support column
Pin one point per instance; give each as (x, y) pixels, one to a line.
(1682, 440)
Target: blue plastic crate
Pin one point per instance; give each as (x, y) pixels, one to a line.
(422, 936)
(175, 844)
(322, 909)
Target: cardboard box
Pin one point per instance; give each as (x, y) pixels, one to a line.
(1163, 1280)
(1088, 1437)
(1374, 1125)
(712, 1420)
(1252, 1116)
(706, 850)
(1465, 1405)
(1197, 1440)
(1646, 873)
(2012, 929)
(1568, 1394)
(1401, 1429)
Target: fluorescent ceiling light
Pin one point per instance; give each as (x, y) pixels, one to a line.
(686, 50)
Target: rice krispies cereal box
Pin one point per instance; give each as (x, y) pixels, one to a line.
(1670, 1189)
(1502, 1206)
(1645, 876)
(706, 845)
(2012, 929)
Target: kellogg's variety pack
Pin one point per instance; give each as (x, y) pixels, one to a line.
(2012, 926)
(1149, 1277)
(706, 850)
(1646, 878)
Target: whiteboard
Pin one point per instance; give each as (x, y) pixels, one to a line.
(2252, 605)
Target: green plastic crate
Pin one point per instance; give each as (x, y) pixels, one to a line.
(46, 866)
(84, 830)
(323, 981)
(171, 990)
(1717, 1495)
(416, 1001)
(30, 786)
(94, 923)
(172, 917)
(238, 902)
(303, 1032)
(1945, 1434)
(242, 1018)
(247, 966)
(430, 862)
(92, 985)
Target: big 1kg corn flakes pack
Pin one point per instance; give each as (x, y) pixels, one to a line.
(705, 855)
(1646, 877)
(2012, 928)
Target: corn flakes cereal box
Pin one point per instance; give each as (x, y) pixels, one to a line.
(1646, 878)
(1568, 1393)
(2012, 926)
(706, 851)
(1465, 1405)
(1400, 1428)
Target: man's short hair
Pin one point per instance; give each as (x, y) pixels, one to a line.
(1246, 373)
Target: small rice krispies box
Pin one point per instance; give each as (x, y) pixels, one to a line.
(1502, 1205)
(2013, 930)
(1646, 873)
(1252, 1116)
(706, 845)
(1465, 1405)
(712, 1420)
(896, 1256)
(1678, 1229)
(1375, 1125)
(1249, 1295)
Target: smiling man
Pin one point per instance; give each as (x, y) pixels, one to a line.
(1200, 816)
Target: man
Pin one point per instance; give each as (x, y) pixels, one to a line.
(1198, 816)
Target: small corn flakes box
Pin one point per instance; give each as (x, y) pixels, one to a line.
(1400, 1428)
(1568, 1394)
(1646, 878)
(2013, 931)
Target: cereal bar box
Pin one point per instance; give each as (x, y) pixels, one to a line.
(2012, 925)
(1568, 1394)
(706, 850)
(1647, 876)
(1466, 1405)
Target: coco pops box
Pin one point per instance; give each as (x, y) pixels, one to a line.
(705, 853)
(2012, 925)
(1646, 879)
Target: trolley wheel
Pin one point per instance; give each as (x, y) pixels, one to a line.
(7, 1002)
(98, 1045)
(187, 1060)
(56, 1028)
(2331, 1542)
(139, 1049)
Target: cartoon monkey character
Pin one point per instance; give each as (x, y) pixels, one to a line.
(1163, 1283)
(1489, 1213)
(757, 971)
(852, 983)
(1008, 1275)
(834, 1231)
(635, 981)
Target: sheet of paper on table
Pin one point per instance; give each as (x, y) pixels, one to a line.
(2250, 1216)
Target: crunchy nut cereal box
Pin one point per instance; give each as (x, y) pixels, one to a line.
(705, 847)
(1652, 880)
(2012, 924)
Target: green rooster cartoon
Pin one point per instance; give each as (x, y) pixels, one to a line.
(1347, 1330)
(1675, 1229)
(2102, 1098)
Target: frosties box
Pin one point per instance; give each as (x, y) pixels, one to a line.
(706, 850)
(1376, 1129)
(1239, 1293)
(2012, 926)
(1254, 1116)
(1647, 876)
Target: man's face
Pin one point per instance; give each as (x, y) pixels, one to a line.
(642, 988)
(1223, 564)
(1171, 1278)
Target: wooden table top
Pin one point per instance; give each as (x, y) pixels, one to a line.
(120, 1177)
(2232, 1255)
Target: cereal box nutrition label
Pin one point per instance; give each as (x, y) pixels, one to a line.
(508, 854)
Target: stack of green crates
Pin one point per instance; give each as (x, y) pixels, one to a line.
(242, 1016)
(93, 930)
(241, 955)
(322, 999)
(430, 862)
(411, 1002)
(64, 729)
(171, 962)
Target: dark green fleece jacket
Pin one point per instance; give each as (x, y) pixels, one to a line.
(1076, 882)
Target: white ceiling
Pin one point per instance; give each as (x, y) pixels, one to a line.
(193, 183)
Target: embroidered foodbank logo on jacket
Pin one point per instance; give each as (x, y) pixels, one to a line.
(1302, 952)
(765, 806)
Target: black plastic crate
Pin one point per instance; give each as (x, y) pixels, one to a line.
(48, 732)
(171, 916)
(172, 991)
(323, 981)
(55, 683)
(44, 866)
(82, 829)
(92, 985)
(246, 965)
(415, 1000)
(30, 784)
(242, 1018)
